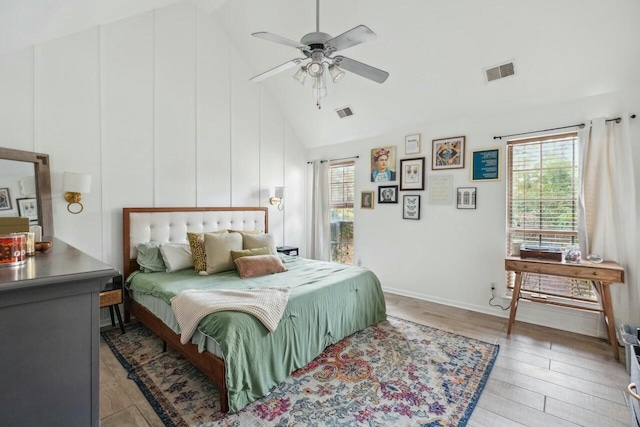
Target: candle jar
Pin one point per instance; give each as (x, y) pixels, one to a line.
(13, 249)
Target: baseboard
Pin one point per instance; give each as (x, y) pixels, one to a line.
(566, 319)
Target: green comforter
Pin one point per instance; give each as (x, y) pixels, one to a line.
(328, 302)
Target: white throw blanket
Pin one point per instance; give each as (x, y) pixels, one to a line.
(191, 306)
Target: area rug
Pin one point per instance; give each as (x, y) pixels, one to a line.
(395, 373)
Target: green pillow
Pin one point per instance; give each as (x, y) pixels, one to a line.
(149, 257)
(250, 252)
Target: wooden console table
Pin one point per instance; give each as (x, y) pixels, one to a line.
(601, 275)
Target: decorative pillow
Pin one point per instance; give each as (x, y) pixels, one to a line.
(250, 252)
(253, 241)
(149, 257)
(176, 256)
(259, 265)
(196, 242)
(218, 248)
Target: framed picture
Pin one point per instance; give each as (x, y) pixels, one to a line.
(411, 207)
(412, 174)
(485, 164)
(383, 164)
(467, 197)
(441, 190)
(448, 153)
(28, 208)
(366, 199)
(412, 144)
(5, 199)
(388, 194)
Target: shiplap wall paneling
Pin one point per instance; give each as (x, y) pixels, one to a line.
(70, 130)
(175, 105)
(214, 114)
(16, 105)
(271, 160)
(127, 122)
(294, 178)
(245, 134)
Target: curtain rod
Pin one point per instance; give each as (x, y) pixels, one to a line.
(335, 160)
(579, 125)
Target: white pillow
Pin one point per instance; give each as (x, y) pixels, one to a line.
(254, 241)
(218, 248)
(176, 256)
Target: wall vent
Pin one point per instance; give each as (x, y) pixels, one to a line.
(499, 72)
(344, 112)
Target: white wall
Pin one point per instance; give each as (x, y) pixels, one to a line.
(451, 256)
(158, 109)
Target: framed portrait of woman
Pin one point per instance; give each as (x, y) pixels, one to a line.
(383, 164)
(366, 199)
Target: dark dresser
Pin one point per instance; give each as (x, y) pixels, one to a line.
(50, 339)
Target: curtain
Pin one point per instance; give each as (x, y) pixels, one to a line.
(607, 207)
(319, 242)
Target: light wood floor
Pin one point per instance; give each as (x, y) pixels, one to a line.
(542, 376)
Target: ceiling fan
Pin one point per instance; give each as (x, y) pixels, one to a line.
(318, 49)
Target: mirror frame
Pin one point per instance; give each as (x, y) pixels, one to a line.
(43, 183)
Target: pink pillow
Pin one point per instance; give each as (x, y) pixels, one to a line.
(259, 265)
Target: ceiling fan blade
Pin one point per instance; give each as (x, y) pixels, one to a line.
(364, 70)
(279, 39)
(276, 70)
(354, 36)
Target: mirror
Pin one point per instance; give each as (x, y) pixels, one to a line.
(38, 164)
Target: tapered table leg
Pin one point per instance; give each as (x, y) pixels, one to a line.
(514, 300)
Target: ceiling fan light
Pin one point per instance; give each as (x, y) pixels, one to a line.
(336, 73)
(315, 69)
(301, 75)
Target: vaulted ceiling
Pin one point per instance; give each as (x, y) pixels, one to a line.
(434, 50)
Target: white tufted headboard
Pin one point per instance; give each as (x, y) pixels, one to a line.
(170, 225)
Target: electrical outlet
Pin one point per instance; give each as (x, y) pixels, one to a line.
(493, 286)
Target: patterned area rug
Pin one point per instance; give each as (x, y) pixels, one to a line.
(395, 373)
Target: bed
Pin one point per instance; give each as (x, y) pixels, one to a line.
(327, 302)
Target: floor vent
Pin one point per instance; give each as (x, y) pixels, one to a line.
(344, 112)
(499, 72)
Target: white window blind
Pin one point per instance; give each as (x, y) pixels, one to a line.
(542, 207)
(342, 192)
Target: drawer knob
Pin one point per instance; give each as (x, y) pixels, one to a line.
(595, 273)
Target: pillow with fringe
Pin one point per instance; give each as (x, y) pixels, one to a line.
(196, 243)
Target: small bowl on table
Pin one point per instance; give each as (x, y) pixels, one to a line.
(43, 246)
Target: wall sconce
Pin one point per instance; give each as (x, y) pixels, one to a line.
(278, 198)
(74, 185)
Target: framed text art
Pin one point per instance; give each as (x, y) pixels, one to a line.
(448, 153)
(412, 174)
(441, 190)
(5, 199)
(388, 194)
(412, 144)
(486, 164)
(411, 207)
(467, 197)
(366, 199)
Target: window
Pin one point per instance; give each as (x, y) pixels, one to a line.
(342, 178)
(542, 207)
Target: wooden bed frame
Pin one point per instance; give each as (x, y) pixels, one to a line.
(211, 365)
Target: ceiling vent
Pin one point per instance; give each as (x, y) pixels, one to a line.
(344, 112)
(499, 72)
